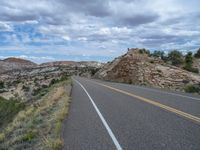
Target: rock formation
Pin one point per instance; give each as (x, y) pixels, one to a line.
(137, 67)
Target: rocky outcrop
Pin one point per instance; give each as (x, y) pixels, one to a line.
(58, 63)
(72, 63)
(136, 67)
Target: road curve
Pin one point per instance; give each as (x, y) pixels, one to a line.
(108, 116)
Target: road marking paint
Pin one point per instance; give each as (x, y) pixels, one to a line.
(114, 139)
(159, 91)
(194, 98)
(171, 109)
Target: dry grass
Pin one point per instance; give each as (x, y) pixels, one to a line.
(39, 125)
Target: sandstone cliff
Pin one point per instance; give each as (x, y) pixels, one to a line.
(136, 67)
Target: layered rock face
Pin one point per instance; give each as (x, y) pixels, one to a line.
(136, 67)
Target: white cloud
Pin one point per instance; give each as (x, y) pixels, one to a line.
(99, 27)
(67, 38)
(5, 27)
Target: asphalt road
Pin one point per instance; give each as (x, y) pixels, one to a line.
(108, 116)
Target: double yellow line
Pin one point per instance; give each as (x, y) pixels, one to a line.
(168, 108)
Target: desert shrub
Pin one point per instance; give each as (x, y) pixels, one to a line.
(2, 137)
(94, 70)
(29, 136)
(45, 77)
(35, 80)
(192, 89)
(16, 82)
(39, 124)
(44, 86)
(175, 57)
(158, 54)
(188, 63)
(189, 59)
(191, 69)
(39, 92)
(3, 90)
(53, 81)
(197, 54)
(186, 81)
(144, 51)
(57, 144)
(2, 85)
(25, 88)
(8, 109)
(64, 77)
(151, 61)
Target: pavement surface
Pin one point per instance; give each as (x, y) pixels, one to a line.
(109, 116)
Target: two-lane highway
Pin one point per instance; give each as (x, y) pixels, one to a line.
(105, 115)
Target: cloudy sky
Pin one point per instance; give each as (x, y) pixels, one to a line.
(48, 30)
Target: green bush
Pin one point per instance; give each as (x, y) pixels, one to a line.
(197, 54)
(191, 69)
(189, 62)
(39, 92)
(2, 85)
(144, 51)
(94, 70)
(64, 77)
(158, 54)
(29, 136)
(35, 80)
(192, 89)
(8, 109)
(53, 81)
(189, 59)
(25, 88)
(57, 145)
(16, 82)
(176, 58)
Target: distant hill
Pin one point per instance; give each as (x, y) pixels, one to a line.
(137, 67)
(18, 61)
(12, 63)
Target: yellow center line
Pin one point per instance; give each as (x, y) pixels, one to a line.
(168, 108)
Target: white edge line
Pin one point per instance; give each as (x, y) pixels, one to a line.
(114, 139)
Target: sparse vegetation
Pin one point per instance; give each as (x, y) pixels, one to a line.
(176, 58)
(25, 88)
(189, 62)
(191, 69)
(144, 51)
(158, 54)
(8, 110)
(197, 54)
(38, 125)
(63, 78)
(2, 85)
(14, 83)
(94, 70)
(192, 89)
(39, 92)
